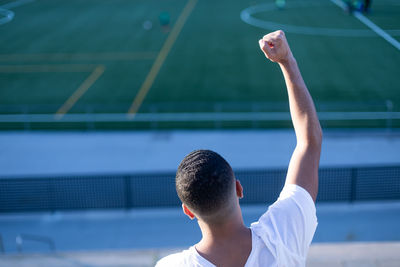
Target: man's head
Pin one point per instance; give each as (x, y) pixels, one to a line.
(206, 185)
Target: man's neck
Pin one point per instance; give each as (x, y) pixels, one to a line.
(227, 243)
(221, 231)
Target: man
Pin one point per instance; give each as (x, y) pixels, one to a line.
(208, 189)
(367, 6)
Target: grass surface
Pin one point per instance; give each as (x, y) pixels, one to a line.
(214, 64)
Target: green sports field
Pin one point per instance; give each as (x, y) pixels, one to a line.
(112, 65)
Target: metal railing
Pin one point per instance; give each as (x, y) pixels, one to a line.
(383, 113)
(157, 190)
(21, 238)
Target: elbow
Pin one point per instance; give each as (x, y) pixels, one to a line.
(317, 136)
(309, 133)
(314, 137)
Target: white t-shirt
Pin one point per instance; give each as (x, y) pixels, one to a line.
(280, 238)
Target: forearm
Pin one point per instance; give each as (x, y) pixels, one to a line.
(302, 110)
(303, 166)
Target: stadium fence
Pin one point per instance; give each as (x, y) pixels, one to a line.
(127, 191)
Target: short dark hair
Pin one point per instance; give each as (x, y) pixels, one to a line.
(204, 181)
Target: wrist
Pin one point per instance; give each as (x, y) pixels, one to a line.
(288, 61)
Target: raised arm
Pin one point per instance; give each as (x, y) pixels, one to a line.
(303, 166)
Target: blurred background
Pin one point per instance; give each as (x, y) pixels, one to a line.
(100, 100)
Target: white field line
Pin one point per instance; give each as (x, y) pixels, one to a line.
(247, 15)
(193, 117)
(16, 4)
(340, 4)
(370, 24)
(378, 30)
(8, 14)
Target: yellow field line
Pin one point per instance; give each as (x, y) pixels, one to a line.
(78, 56)
(151, 76)
(47, 68)
(97, 72)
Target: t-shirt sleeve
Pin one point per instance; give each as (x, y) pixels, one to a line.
(290, 223)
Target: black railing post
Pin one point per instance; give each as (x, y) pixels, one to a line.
(353, 192)
(128, 192)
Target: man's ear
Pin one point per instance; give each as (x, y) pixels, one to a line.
(239, 189)
(187, 212)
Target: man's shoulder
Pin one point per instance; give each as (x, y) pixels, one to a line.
(176, 259)
(287, 228)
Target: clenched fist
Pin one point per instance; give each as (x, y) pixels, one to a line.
(275, 47)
